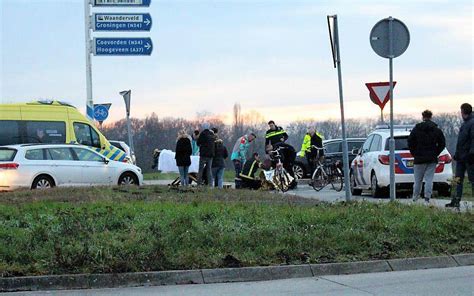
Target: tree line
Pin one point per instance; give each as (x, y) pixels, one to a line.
(155, 132)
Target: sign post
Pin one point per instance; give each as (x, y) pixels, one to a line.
(126, 94)
(379, 94)
(390, 38)
(335, 47)
(89, 99)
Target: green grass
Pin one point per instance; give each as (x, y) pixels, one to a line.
(98, 230)
(228, 176)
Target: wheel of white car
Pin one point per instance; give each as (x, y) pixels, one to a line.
(298, 171)
(128, 179)
(43, 182)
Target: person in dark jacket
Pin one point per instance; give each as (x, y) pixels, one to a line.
(464, 155)
(275, 134)
(183, 156)
(206, 143)
(218, 162)
(249, 169)
(426, 142)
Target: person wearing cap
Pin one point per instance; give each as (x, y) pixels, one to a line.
(239, 155)
(206, 143)
(276, 134)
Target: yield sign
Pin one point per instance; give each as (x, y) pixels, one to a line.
(379, 92)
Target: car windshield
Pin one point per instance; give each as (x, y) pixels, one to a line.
(401, 143)
(7, 154)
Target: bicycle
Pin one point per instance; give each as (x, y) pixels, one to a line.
(326, 173)
(283, 181)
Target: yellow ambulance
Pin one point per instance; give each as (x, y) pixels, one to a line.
(52, 122)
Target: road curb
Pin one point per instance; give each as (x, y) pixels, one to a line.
(224, 275)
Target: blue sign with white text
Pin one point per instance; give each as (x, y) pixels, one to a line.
(122, 46)
(101, 112)
(132, 3)
(121, 22)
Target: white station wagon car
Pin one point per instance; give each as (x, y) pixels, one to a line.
(370, 169)
(44, 166)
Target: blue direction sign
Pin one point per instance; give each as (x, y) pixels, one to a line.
(101, 112)
(133, 3)
(121, 22)
(122, 46)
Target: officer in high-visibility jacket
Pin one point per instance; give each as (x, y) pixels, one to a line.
(249, 180)
(275, 134)
(312, 138)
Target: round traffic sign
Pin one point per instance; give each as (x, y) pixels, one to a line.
(101, 112)
(380, 38)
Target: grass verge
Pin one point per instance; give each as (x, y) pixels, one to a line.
(98, 230)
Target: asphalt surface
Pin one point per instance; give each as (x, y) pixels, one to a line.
(433, 282)
(330, 195)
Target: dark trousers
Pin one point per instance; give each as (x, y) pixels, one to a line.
(205, 163)
(251, 184)
(238, 170)
(461, 168)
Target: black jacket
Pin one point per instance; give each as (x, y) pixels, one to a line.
(465, 144)
(206, 143)
(275, 136)
(287, 152)
(183, 152)
(219, 155)
(250, 168)
(426, 141)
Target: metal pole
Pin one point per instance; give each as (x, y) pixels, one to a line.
(129, 131)
(392, 140)
(89, 99)
(345, 155)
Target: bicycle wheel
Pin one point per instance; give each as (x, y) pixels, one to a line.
(319, 179)
(283, 181)
(336, 179)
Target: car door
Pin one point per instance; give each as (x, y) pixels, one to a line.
(64, 166)
(94, 170)
(361, 163)
(371, 157)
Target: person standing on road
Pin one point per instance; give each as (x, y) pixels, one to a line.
(183, 156)
(275, 134)
(464, 155)
(426, 142)
(218, 162)
(239, 155)
(206, 143)
(312, 138)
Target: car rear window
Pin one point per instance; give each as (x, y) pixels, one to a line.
(7, 154)
(401, 143)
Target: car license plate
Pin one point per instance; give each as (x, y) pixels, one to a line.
(409, 163)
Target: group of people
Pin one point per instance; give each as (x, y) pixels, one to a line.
(213, 153)
(426, 142)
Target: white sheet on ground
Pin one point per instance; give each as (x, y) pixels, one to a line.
(167, 163)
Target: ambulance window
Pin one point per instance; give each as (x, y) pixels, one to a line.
(9, 132)
(51, 132)
(86, 135)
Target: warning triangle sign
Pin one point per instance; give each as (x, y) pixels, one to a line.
(379, 92)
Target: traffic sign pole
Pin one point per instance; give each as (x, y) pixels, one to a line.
(89, 98)
(393, 190)
(345, 155)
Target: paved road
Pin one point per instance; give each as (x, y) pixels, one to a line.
(329, 195)
(433, 282)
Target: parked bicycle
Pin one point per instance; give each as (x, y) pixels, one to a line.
(281, 176)
(325, 173)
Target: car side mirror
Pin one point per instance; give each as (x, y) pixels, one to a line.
(105, 160)
(355, 151)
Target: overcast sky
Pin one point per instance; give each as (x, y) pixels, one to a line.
(271, 56)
